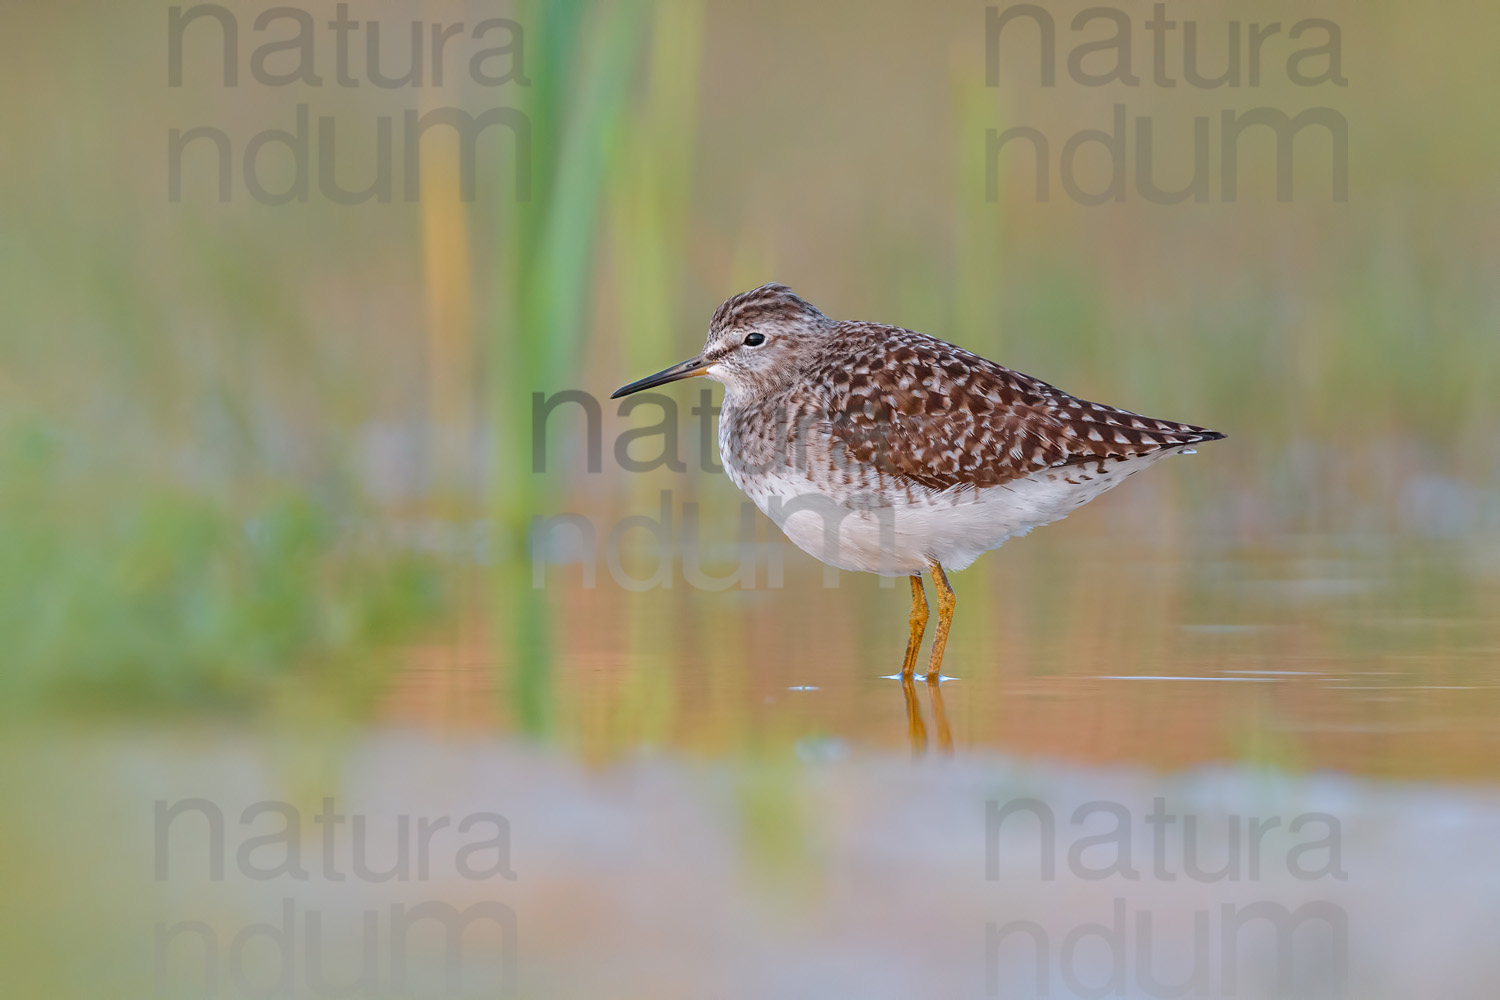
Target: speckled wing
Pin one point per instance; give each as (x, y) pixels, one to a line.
(925, 411)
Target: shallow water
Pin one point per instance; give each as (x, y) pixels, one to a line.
(722, 794)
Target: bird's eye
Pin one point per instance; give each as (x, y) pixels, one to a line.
(754, 339)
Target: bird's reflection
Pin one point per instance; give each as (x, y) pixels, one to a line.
(916, 728)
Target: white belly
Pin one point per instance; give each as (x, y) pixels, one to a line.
(892, 535)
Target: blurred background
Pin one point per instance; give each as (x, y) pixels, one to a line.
(291, 507)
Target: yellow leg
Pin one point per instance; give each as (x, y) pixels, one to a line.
(946, 601)
(918, 625)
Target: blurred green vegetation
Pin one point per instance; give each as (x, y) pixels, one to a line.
(163, 596)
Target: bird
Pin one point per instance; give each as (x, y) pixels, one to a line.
(880, 449)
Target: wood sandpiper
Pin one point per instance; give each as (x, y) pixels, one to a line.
(888, 451)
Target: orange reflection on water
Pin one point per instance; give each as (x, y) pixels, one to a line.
(1087, 656)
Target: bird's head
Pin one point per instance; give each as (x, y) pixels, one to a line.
(758, 341)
